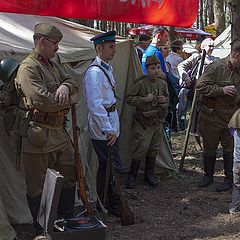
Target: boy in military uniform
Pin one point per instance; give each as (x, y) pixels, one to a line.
(103, 120)
(46, 97)
(149, 95)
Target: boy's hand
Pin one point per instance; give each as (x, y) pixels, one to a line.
(161, 99)
(150, 97)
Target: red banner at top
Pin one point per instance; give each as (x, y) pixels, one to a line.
(160, 12)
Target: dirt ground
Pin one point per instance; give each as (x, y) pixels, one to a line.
(177, 209)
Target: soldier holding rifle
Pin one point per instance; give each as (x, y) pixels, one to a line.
(103, 120)
(47, 95)
(219, 87)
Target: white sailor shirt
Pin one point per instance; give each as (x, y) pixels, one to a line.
(99, 95)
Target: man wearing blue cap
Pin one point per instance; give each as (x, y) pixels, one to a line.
(103, 120)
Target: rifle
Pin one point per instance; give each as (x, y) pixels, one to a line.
(80, 177)
(127, 216)
(191, 115)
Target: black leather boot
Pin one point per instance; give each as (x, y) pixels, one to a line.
(228, 179)
(34, 205)
(66, 203)
(149, 172)
(208, 166)
(131, 180)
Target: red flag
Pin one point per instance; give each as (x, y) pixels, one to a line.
(160, 12)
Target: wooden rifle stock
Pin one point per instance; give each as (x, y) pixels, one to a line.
(127, 216)
(79, 169)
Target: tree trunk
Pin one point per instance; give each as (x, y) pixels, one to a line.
(210, 11)
(235, 10)
(201, 14)
(219, 16)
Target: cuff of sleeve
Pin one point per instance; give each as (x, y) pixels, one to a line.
(69, 87)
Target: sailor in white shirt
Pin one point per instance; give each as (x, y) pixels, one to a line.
(103, 120)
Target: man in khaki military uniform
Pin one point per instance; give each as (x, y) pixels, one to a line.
(150, 96)
(219, 87)
(47, 94)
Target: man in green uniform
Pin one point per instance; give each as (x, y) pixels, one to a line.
(150, 96)
(46, 97)
(219, 87)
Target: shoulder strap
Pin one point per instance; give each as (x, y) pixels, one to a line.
(108, 78)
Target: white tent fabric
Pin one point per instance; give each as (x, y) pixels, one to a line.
(75, 54)
(222, 44)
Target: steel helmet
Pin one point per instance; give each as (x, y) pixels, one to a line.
(7, 67)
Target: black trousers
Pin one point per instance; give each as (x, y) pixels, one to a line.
(103, 153)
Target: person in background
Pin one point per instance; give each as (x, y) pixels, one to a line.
(159, 38)
(103, 120)
(143, 44)
(176, 56)
(149, 94)
(47, 94)
(173, 89)
(219, 89)
(234, 126)
(189, 73)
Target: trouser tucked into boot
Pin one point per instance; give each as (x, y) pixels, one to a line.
(228, 172)
(34, 205)
(66, 203)
(112, 203)
(208, 166)
(131, 180)
(149, 171)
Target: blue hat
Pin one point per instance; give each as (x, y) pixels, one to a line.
(104, 37)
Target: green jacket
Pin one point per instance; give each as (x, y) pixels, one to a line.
(217, 108)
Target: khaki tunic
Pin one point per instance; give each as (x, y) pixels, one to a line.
(147, 136)
(216, 109)
(37, 81)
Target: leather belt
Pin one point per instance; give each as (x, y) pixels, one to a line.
(111, 108)
(49, 118)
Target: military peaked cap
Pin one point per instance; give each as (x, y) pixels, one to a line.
(45, 29)
(104, 37)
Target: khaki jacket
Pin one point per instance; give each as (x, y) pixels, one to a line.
(38, 82)
(216, 107)
(141, 88)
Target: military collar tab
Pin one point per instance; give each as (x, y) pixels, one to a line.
(103, 64)
(231, 67)
(42, 59)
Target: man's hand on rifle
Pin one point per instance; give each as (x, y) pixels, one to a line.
(112, 138)
(62, 95)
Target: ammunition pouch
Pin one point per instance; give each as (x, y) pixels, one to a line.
(151, 117)
(50, 118)
(209, 102)
(150, 114)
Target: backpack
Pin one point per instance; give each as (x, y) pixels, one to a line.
(9, 97)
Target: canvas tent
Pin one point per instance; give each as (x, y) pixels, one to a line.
(75, 54)
(222, 43)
